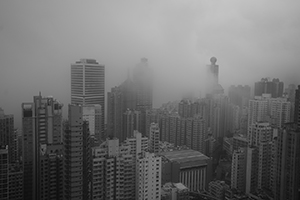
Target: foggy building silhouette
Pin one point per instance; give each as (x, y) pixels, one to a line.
(239, 95)
(266, 86)
(88, 85)
(42, 154)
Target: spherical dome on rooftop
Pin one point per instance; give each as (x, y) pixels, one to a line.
(213, 60)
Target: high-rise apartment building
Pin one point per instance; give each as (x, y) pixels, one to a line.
(77, 155)
(286, 175)
(251, 169)
(4, 174)
(258, 109)
(238, 169)
(259, 132)
(266, 86)
(42, 127)
(154, 136)
(88, 85)
(279, 111)
(113, 171)
(149, 176)
(15, 182)
(8, 136)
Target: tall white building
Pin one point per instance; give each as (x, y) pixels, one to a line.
(88, 84)
(149, 177)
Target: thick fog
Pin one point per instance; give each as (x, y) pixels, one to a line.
(40, 39)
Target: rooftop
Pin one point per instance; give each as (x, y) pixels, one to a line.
(186, 158)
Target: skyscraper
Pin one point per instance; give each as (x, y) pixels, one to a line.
(42, 126)
(88, 85)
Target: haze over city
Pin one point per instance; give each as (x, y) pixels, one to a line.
(40, 40)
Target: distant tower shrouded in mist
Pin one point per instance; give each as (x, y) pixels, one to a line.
(213, 71)
(212, 78)
(142, 76)
(88, 85)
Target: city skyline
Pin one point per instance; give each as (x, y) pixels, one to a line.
(177, 38)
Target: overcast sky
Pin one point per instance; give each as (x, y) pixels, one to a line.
(40, 39)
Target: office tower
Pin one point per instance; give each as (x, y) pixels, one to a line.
(92, 114)
(189, 167)
(88, 85)
(154, 136)
(8, 136)
(217, 189)
(238, 169)
(286, 170)
(239, 95)
(42, 125)
(113, 171)
(149, 176)
(266, 86)
(297, 107)
(258, 109)
(280, 111)
(131, 122)
(4, 173)
(77, 155)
